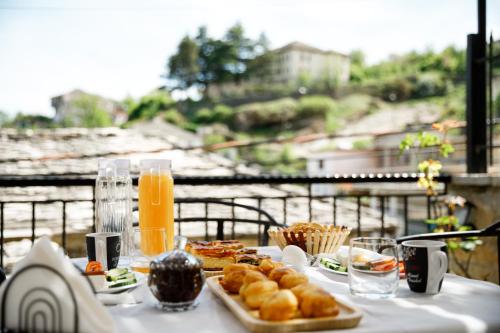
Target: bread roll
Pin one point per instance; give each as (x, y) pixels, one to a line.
(301, 288)
(233, 281)
(288, 281)
(238, 267)
(257, 292)
(250, 277)
(267, 265)
(280, 306)
(277, 273)
(318, 303)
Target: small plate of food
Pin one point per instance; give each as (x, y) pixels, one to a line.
(333, 266)
(115, 280)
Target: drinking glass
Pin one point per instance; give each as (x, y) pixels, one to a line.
(147, 244)
(373, 267)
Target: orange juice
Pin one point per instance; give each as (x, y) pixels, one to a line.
(156, 208)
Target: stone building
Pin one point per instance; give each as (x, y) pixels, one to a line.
(66, 107)
(297, 59)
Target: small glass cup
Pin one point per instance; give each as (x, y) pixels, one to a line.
(147, 244)
(373, 267)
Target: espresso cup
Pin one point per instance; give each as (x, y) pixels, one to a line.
(104, 247)
(425, 264)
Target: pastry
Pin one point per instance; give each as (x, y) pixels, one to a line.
(267, 265)
(280, 306)
(288, 281)
(252, 259)
(304, 287)
(238, 267)
(216, 254)
(277, 273)
(318, 303)
(233, 281)
(257, 292)
(250, 277)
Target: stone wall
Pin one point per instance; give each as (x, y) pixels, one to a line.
(483, 192)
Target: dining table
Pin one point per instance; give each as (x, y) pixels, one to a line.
(463, 305)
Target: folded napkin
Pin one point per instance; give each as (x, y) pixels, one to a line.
(42, 299)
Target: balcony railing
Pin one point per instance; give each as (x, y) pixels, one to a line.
(303, 198)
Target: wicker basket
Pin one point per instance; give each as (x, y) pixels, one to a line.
(313, 240)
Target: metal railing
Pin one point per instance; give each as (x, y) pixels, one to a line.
(356, 197)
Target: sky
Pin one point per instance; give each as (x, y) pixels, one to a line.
(118, 48)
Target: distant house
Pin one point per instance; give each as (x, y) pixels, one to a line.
(291, 64)
(66, 107)
(297, 59)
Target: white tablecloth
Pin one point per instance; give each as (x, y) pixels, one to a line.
(463, 305)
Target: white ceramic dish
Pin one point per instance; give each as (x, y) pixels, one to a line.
(104, 289)
(331, 270)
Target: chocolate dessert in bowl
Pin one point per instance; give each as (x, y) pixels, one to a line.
(176, 278)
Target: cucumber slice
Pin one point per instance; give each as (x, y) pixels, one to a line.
(115, 273)
(125, 277)
(122, 282)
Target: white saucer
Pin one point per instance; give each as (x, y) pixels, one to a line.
(141, 278)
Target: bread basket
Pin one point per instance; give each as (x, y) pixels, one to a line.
(311, 237)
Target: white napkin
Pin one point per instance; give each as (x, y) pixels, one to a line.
(92, 315)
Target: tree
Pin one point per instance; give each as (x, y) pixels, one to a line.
(184, 65)
(150, 105)
(357, 66)
(203, 60)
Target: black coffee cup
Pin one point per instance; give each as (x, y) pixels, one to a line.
(425, 264)
(104, 247)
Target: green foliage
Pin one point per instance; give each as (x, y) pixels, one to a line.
(203, 60)
(88, 113)
(183, 66)
(411, 75)
(203, 116)
(214, 138)
(32, 121)
(332, 124)
(362, 144)
(4, 118)
(396, 89)
(274, 159)
(277, 112)
(174, 117)
(150, 105)
(318, 105)
(219, 114)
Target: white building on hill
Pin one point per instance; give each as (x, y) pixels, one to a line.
(297, 59)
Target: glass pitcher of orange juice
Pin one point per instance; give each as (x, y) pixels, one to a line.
(156, 206)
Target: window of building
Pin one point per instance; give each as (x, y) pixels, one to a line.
(321, 164)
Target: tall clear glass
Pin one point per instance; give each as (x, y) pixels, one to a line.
(113, 194)
(373, 267)
(156, 201)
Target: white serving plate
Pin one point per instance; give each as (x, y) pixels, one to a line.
(141, 278)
